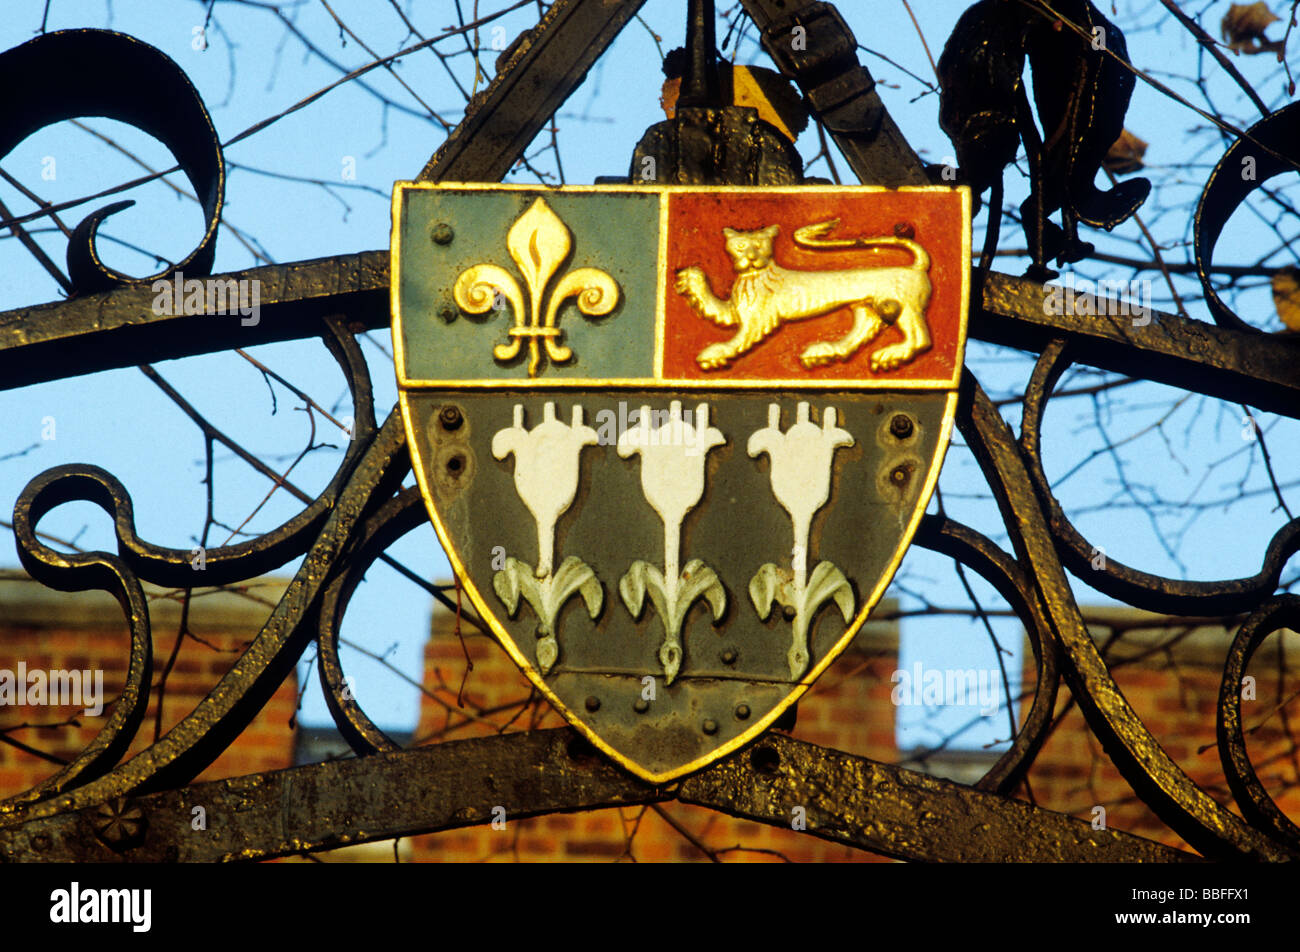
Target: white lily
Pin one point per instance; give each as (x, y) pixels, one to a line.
(801, 462)
(546, 478)
(672, 478)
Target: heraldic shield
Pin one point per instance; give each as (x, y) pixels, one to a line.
(674, 440)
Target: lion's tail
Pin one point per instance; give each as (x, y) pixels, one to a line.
(920, 257)
(811, 237)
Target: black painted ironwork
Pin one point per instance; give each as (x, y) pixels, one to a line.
(136, 84)
(1082, 84)
(98, 808)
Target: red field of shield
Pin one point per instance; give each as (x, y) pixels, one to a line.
(935, 219)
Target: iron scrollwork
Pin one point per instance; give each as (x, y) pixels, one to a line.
(136, 84)
(1082, 84)
(1081, 99)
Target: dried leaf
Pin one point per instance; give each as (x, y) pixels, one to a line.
(1286, 296)
(1125, 154)
(1244, 25)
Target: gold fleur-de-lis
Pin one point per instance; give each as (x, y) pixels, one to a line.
(539, 243)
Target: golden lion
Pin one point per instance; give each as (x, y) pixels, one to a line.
(765, 296)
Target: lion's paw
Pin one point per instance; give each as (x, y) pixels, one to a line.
(690, 281)
(714, 357)
(818, 355)
(892, 357)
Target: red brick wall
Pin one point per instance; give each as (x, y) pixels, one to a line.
(830, 714)
(1171, 679)
(58, 631)
(1169, 676)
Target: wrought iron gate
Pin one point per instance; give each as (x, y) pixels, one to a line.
(96, 808)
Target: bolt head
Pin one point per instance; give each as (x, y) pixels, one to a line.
(118, 822)
(442, 233)
(641, 705)
(450, 418)
(710, 726)
(592, 703)
(742, 712)
(901, 426)
(728, 656)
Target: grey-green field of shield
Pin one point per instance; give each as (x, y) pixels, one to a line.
(617, 233)
(732, 673)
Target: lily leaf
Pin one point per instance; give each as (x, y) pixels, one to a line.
(593, 594)
(827, 582)
(506, 583)
(575, 575)
(702, 581)
(632, 588)
(763, 589)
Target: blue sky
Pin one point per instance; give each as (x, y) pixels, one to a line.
(1163, 500)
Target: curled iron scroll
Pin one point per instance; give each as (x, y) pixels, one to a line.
(77, 573)
(964, 544)
(134, 83)
(1268, 149)
(390, 522)
(1255, 803)
(224, 564)
(1154, 593)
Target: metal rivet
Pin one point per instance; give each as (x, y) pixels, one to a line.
(901, 426)
(446, 313)
(904, 229)
(593, 703)
(728, 656)
(442, 233)
(641, 705)
(788, 613)
(742, 712)
(710, 726)
(118, 822)
(450, 418)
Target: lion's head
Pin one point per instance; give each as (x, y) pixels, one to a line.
(750, 250)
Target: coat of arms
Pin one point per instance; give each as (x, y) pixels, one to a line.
(676, 440)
